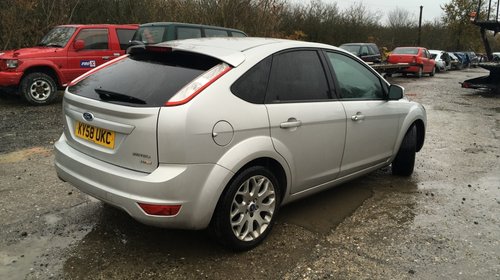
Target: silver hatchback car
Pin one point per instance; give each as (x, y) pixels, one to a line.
(220, 132)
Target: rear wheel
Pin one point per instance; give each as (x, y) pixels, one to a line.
(420, 72)
(245, 212)
(404, 162)
(38, 88)
(433, 72)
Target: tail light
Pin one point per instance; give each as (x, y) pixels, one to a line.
(415, 60)
(198, 85)
(160, 210)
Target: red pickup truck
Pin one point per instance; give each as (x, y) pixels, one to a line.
(63, 54)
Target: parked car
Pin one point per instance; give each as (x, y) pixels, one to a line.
(496, 56)
(221, 132)
(420, 58)
(442, 58)
(463, 58)
(456, 63)
(63, 54)
(473, 58)
(157, 32)
(368, 52)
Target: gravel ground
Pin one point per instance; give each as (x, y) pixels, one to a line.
(442, 223)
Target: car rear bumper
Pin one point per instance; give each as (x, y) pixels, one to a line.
(9, 79)
(196, 187)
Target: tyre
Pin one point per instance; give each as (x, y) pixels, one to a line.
(420, 72)
(246, 210)
(405, 159)
(38, 88)
(433, 72)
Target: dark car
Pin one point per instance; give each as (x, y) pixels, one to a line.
(157, 32)
(368, 52)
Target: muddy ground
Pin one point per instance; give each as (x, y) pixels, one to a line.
(442, 223)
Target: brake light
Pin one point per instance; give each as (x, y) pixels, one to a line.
(192, 89)
(158, 49)
(415, 60)
(86, 74)
(160, 210)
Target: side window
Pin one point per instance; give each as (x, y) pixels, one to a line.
(124, 36)
(215, 33)
(355, 80)
(95, 39)
(188, 33)
(297, 76)
(252, 86)
(364, 50)
(237, 34)
(374, 49)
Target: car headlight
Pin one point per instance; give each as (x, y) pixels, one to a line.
(12, 63)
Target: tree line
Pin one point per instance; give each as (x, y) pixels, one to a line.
(24, 22)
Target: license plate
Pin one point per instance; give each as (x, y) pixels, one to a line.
(100, 136)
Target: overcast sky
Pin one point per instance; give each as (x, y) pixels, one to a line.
(431, 10)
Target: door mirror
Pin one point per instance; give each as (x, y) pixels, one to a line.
(396, 92)
(79, 45)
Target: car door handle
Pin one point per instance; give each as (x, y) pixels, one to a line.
(291, 123)
(105, 57)
(358, 117)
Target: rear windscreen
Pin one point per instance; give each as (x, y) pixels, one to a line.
(148, 79)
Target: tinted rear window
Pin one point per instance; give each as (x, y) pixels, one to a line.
(405, 51)
(148, 79)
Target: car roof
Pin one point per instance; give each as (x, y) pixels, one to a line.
(232, 50)
(358, 44)
(133, 25)
(182, 24)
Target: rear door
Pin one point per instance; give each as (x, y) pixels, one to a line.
(372, 121)
(97, 51)
(307, 124)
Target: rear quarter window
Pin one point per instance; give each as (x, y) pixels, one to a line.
(124, 36)
(252, 86)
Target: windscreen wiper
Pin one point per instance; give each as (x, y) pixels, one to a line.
(106, 95)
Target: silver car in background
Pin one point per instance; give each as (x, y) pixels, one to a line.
(221, 132)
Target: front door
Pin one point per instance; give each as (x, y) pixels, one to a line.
(372, 121)
(96, 52)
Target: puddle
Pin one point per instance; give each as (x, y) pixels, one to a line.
(322, 212)
(24, 155)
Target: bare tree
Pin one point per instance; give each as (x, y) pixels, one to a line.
(401, 18)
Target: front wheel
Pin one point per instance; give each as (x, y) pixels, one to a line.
(404, 162)
(246, 210)
(38, 88)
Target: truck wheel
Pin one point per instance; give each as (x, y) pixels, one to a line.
(246, 210)
(38, 88)
(405, 159)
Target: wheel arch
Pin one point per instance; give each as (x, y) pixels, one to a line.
(416, 117)
(46, 69)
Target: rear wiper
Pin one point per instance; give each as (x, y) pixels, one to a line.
(106, 95)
